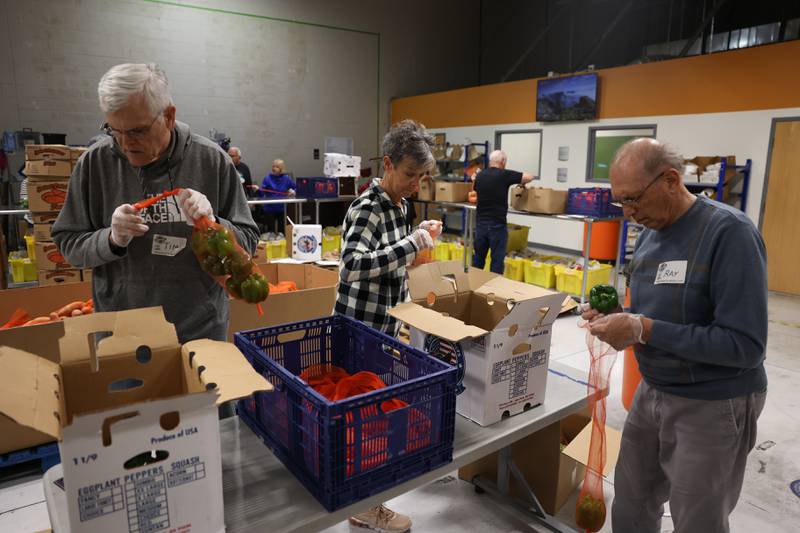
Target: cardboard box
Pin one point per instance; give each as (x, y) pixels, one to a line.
(304, 241)
(44, 217)
(48, 257)
(496, 329)
(47, 195)
(76, 152)
(452, 191)
(40, 301)
(43, 232)
(59, 276)
(38, 152)
(341, 165)
(551, 473)
(539, 200)
(314, 298)
(48, 168)
(427, 191)
(135, 414)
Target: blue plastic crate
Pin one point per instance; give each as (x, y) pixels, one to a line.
(47, 455)
(591, 201)
(348, 450)
(318, 187)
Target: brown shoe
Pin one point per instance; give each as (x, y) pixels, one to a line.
(382, 519)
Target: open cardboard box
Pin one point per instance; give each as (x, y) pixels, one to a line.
(539, 200)
(553, 474)
(497, 331)
(304, 241)
(135, 414)
(314, 298)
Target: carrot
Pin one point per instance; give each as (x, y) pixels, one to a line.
(77, 312)
(38, 320)
(18, 318)
(54, 316)
(69, 308)
(86, 310)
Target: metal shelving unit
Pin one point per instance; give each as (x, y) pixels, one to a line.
(742, 175)
(465, 161)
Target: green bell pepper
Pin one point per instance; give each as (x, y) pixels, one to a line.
(590, 513)
(254, 288)
(213, 265)
(221, 243)
(234, 288)
(603, 298)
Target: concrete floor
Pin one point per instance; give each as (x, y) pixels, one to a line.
(448, 505)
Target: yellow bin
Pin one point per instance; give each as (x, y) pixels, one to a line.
(330, 243)
(276, 249)
(541, 274)
(30, 243)
(569, 280)
(441, 251)
(514, 268)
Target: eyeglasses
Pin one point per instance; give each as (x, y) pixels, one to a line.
(134, 134)
(633, 201)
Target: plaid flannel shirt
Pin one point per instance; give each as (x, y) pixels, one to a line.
(376, 248)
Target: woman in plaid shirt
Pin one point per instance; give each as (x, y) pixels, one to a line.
(377, 247)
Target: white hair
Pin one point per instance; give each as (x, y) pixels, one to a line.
(236, 148)
(128, 79)
(498, 157)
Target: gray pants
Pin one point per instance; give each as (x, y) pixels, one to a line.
(690, 452)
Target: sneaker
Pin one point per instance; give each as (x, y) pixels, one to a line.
(382, 519)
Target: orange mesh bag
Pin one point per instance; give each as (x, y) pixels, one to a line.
(221, 257)
(590, 509)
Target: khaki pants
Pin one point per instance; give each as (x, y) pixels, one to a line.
(690, 452)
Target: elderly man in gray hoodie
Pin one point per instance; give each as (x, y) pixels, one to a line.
(143, 257)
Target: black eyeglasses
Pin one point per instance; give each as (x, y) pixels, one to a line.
(135, 134)
(633, 201)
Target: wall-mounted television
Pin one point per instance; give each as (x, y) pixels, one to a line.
(567, 99)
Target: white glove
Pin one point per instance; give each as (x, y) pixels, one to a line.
(194, 205)
(125, 225)
(620, 330)
(422, 239)
(434, 227)
(292, 193)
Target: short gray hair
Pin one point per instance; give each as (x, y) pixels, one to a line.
(651, 154)
(129, 79)
(236, 148)
(409, 138)
(497, 157)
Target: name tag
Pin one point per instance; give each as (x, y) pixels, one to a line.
(167, 245)
(671, 272)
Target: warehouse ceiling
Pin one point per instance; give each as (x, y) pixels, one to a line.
(526, 39)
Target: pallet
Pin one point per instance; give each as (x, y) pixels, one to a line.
(46, 455)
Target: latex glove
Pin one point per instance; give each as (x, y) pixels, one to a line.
(422, 239)
(194, 205)
(292, 193)
(434, 227)
(126, 224)
(620, 330)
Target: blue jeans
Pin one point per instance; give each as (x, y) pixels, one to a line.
(494, 237)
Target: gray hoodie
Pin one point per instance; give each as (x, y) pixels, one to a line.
(154, 269)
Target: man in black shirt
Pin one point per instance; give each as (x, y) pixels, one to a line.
(243, 170)
(491, 231)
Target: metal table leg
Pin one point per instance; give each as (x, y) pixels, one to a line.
(586, 247)
(316, 212)
(621, 244)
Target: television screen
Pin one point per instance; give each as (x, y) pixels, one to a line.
(562, 99)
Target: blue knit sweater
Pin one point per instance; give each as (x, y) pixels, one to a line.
(703, 280)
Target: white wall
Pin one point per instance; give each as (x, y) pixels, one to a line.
(743, 134)
(278, 76)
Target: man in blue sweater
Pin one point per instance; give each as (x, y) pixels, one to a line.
(698, 324)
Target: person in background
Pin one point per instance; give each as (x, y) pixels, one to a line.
(141, 257)
(243, 170)
(276, 184)
(377, 248)
(698, 325)
(491, 230)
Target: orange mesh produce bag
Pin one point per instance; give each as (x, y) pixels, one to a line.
(590, 509)
(221, 257)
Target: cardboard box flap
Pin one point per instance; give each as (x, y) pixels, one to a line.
(31, 391)
(133, 328)
(226, 370)
(536, 312)
(506, 289)
(578, 449)
(444, 278)
(424, 319)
